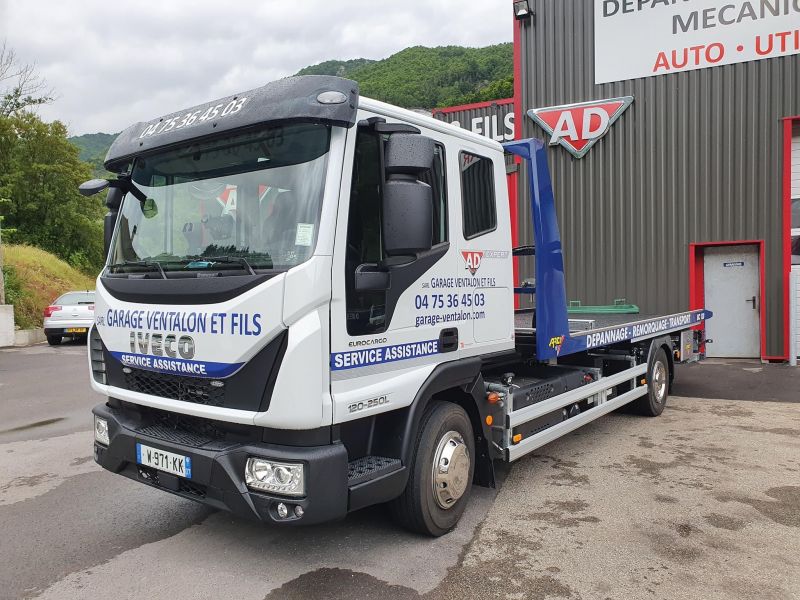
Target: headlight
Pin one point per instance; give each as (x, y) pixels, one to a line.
(101, 430)
(270, 476)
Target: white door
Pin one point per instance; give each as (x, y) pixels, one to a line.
(732, 293)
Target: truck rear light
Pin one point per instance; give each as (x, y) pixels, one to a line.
(48, 312)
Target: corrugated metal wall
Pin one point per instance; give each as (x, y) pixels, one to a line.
(489, 119)
(696, 158)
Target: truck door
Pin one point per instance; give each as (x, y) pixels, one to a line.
(385, 344)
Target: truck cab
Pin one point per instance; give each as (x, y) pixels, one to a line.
(308, 308)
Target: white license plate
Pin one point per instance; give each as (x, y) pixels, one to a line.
(177, 464)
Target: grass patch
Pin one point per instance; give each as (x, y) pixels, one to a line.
(34, 278)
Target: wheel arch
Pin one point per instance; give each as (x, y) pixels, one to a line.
(459, 382)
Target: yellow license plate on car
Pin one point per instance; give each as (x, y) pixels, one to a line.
(76, 330)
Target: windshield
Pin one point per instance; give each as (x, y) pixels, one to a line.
(244, 202)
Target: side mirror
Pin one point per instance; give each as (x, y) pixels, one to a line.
(369, 278)
(93, 186)
(407, 216)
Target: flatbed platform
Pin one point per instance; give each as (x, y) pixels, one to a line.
(603, 329)
(583, 323)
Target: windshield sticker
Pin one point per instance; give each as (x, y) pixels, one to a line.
(305, 234)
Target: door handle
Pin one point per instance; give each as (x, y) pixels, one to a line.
(753, 300)
(448, 340)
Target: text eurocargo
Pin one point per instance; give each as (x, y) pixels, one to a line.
(644, 38)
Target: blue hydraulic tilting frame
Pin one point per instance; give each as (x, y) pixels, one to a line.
(553, 337)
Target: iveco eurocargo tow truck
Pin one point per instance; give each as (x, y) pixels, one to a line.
(308, 308)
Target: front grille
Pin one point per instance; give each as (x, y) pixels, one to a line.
(175, 387)
(179, 429)
(165, 433)
(97, 353)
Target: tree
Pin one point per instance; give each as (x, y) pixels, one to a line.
(21, 87)
(39, 173)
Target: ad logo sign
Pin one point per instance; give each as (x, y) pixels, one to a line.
(472, 260)
(577, 127)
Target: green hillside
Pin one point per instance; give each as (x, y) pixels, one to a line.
(338, 68)
(93, 148)
(421, 77)
(34, 278)
(417, 77)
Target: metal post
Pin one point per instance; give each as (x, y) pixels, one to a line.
(794, 290)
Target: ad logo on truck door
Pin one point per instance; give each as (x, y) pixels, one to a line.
(577, 127)
(472, 260)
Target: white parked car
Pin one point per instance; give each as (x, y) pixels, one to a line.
(71, 315)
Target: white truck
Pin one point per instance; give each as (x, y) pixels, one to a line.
(308, 308)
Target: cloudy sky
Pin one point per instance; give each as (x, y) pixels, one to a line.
(112, 63)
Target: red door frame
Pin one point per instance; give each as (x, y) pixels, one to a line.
(788, 122)
(697, 282)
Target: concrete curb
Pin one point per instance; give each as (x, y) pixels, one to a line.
(29, 337)
(6, 325)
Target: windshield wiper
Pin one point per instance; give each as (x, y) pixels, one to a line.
(140, 263)
(229, 259)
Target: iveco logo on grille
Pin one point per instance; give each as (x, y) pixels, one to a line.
(158, 344)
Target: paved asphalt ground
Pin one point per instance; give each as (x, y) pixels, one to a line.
(701, 503)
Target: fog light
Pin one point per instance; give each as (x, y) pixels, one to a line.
(298, 511)
(101, 430)
(269, 476)
(283, 512)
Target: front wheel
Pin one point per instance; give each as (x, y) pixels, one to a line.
(440, 481)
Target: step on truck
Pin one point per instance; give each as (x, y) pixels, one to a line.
(308, 307)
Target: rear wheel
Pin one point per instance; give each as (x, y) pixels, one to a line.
(441, 472)
(54, 340)
(652, 404)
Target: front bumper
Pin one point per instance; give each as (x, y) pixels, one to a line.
(218, 472)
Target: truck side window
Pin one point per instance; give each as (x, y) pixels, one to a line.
(366, 310)
(477, 195)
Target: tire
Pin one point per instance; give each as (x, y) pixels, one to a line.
(54, 340)
(445, 432)
(653, 403)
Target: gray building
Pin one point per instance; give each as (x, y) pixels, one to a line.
(673, 172)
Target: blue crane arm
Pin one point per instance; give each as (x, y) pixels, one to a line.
(552, 322)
